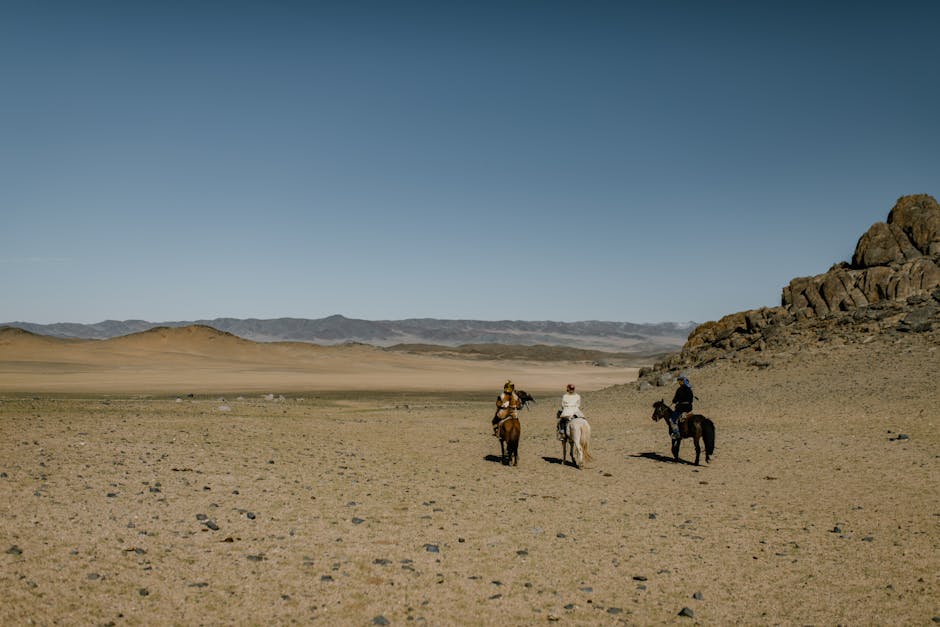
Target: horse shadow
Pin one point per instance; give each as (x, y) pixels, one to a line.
(656, 457)
(494, 458)
(555, 460)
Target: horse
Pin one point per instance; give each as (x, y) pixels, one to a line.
(508, 430)
(576, 438)
(694, 426)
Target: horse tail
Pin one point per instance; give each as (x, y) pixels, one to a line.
(708, 434)
(586, 440)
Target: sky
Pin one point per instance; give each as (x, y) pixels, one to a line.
(512, 160)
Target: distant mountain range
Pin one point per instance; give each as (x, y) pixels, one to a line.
(337, 329)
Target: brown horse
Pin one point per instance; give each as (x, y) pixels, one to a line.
(506, 427)
(508, 432)
(694, 426)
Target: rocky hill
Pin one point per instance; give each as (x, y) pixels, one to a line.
(648, 339)
(890, 288)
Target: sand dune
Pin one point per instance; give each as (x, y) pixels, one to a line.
(200, 359)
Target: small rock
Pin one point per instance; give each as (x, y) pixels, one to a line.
(432, 548)
(15, 550)
(639, 578)
(143, 592)
(250, 515)
(201, 517)
(698, 596)
(380, 620)
(211, 525)
(358, 521)
(614, 610)
(687, 612)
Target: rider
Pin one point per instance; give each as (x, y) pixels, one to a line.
(682, 400)
(570, 408)
(506, 405)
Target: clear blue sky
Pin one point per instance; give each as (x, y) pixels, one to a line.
(535, 160)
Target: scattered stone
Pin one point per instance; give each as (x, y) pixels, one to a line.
(697, 596)
(639, 578)
(255, 558)
(250, 515)
(380, 620)
(432, 548)
(201, 517)
(358, 521)
(211, 525)
(614, 610)
(686, 612)
(15, 550)
(143, 592)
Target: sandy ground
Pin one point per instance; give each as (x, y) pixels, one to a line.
(341, 505)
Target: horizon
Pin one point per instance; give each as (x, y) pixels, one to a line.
(678, 323)
(494, 161)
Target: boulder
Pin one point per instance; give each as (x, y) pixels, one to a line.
(881, 245)
(918, 217)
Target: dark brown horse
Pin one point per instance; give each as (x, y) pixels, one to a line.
(508, 432)
(694, 426)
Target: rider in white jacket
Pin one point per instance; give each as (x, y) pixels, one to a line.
(570, 408)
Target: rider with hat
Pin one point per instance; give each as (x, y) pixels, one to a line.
(507, 404)
(682, 401)
(570, 408)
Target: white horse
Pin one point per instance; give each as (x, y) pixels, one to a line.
(577, 438)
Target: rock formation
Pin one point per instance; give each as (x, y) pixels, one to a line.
(892, 285)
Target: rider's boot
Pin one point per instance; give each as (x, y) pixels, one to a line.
(674, 428)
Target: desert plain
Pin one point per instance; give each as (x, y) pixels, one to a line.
(207, 481)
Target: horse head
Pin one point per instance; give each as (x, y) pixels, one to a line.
(660, 410)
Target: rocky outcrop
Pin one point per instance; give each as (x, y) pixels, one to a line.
(892, 285)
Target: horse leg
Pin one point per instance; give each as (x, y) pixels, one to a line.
(698, 449)
(502, 451)
(675, 447)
